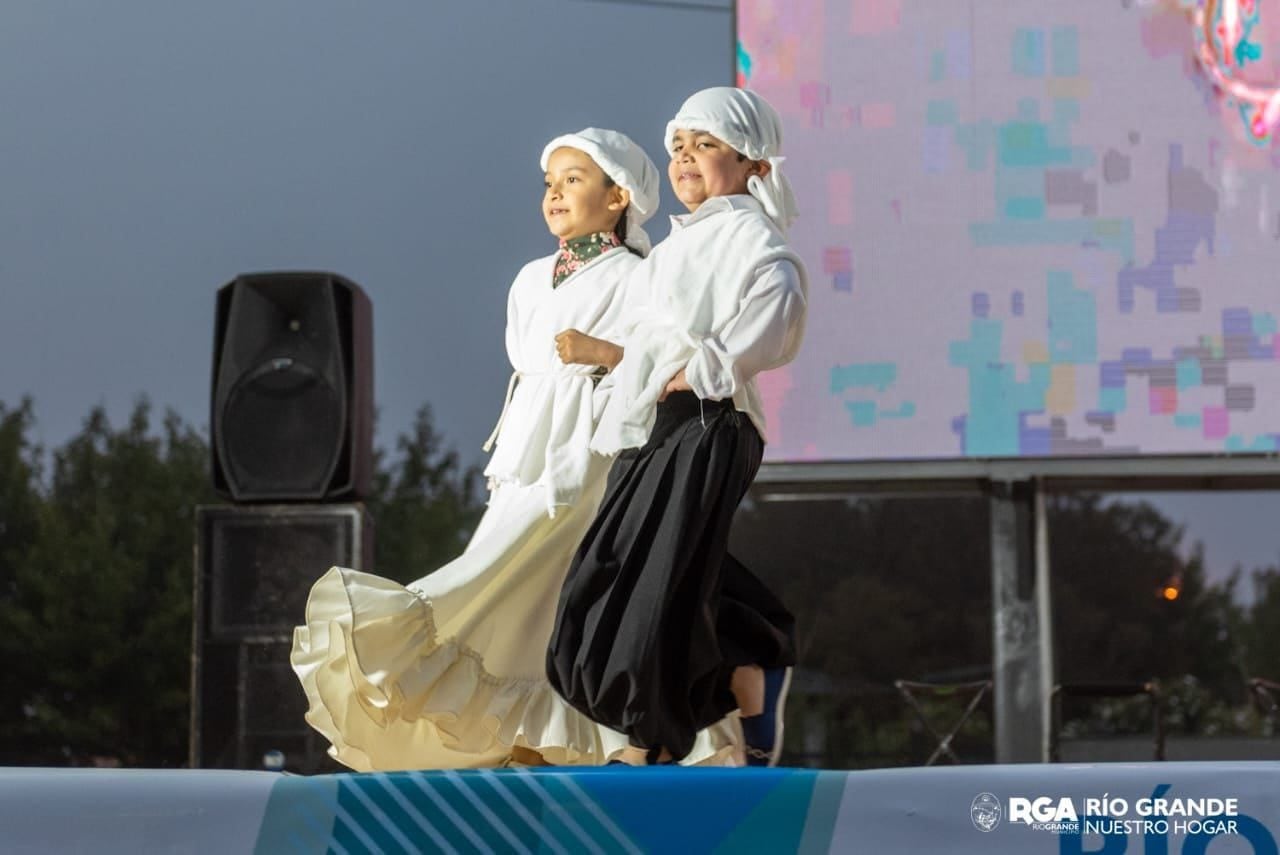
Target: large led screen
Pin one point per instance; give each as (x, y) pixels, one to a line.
(1033, 228)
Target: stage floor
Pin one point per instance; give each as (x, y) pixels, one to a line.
(978, 809)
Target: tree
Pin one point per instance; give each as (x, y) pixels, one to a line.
(1110, 563)
(102, 604)
(19, 509)
(95, 592)
(889, 588)
(882, 589)
(1262, 629)
(96, 573)
(425, 504)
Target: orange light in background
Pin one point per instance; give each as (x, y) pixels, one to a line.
(1170, 593)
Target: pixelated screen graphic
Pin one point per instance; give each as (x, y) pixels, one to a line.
(1033, 228)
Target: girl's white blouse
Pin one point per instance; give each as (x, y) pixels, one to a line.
(547, 421)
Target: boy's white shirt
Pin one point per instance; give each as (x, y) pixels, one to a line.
(549, 416)
(723, 297)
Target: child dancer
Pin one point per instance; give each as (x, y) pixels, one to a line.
(657, 634)
(448, 672)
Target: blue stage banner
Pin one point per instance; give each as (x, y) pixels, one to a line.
(1141, 808)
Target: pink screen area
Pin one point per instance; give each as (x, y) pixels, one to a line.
(1029, 229)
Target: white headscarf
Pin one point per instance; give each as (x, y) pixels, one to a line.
(751, 127)
(628, 166)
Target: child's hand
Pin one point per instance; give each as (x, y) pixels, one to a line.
(675, 384)
(576, 348)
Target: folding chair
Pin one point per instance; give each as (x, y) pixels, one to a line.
(909, 690)
(1106, 690)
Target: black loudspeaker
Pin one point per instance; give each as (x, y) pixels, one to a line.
(254, 566)
(292, 403)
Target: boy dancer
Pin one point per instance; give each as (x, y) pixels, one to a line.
(657, 632)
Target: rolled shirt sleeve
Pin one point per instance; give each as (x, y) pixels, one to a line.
(765, 333)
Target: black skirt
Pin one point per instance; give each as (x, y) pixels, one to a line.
(654, 615)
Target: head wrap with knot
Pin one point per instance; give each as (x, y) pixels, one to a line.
(750, 126)
(629, 167)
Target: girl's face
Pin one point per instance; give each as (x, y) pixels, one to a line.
(579, 199)
(703, 165)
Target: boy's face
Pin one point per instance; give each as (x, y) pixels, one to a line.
(703, 165)
(579, 200)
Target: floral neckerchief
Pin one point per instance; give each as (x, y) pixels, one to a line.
(576, 252)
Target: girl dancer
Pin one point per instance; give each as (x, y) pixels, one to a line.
(448, 672)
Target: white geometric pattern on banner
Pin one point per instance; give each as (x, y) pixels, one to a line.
(494, 821)
(351, 825)
(416, 815)
(570, 823)
(495, 781)
(380, 815)
(447, 809)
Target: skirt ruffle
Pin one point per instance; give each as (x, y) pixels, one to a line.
(401, 677)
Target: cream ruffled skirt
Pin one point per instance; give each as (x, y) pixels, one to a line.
(449, 672)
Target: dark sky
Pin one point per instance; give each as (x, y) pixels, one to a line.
(153, 149)
(150, 150)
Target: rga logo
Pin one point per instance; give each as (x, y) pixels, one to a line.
(985, 812)
(1044, 814)
(1043, 809)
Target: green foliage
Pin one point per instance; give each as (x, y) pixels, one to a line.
(19, 511)
(900, 588)
(882, 589)
(424, 506)
(96, 573)
(1187, 708)
(1109, 562)
(100, 621)
(1261, 631)
(96, 545)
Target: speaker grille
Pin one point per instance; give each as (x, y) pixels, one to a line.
(263, 565)
(286, 423)
(253, 568)
(275, 703)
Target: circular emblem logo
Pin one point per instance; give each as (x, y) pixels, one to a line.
(985, 812)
